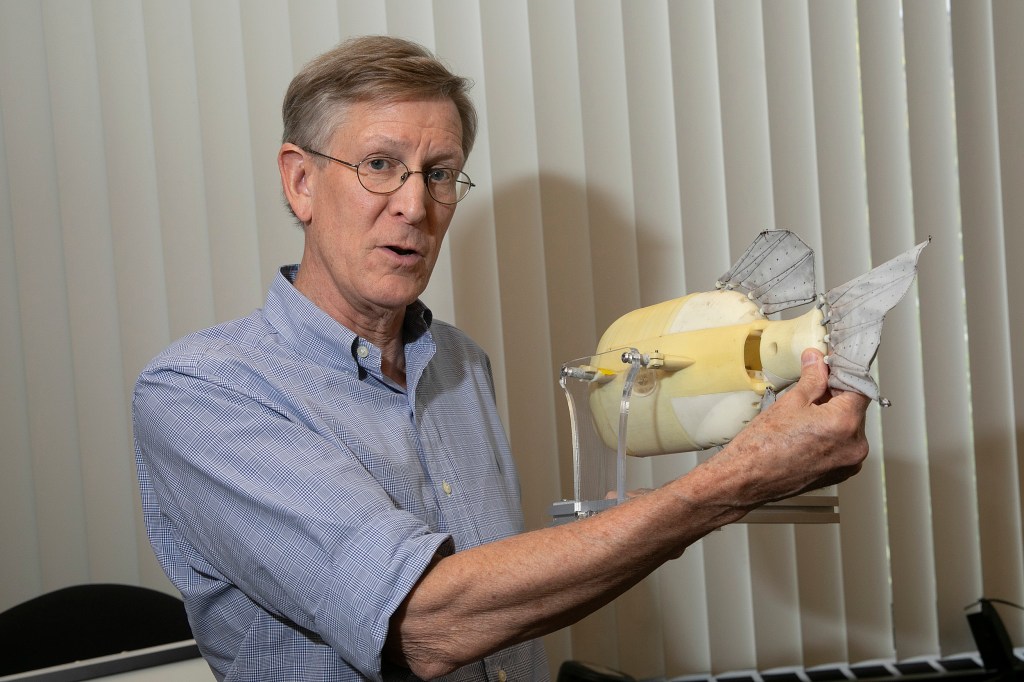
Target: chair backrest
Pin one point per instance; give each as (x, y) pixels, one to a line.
(87, 621)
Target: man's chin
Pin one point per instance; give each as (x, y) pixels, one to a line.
(398, 298)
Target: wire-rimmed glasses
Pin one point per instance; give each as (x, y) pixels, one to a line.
(386, 174)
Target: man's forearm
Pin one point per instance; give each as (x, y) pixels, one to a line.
(472, 603)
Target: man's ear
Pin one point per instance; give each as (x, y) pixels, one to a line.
(295, 165)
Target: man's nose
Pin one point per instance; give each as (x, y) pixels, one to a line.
(423, 174)
(412, 197)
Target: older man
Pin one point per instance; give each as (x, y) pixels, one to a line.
(327, 481)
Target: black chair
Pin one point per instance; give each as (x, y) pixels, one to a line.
(88, 621)
(582, 671)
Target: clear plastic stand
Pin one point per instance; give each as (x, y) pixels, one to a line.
(599, 469)
(599, 472)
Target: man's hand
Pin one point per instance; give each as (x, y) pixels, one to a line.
(812, 437)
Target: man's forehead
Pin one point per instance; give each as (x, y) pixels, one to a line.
(402, 122)
(435, 114)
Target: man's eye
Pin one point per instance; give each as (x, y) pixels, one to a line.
(379, 165)
(441, 175)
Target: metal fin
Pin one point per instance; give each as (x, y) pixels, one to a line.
(856, 311)
(776, 271)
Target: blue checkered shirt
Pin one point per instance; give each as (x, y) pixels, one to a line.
(294, 495)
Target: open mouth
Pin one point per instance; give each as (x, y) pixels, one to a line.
(403, 252)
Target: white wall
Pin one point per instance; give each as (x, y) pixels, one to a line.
(628, 152)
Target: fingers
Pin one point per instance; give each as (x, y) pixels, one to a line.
(857, 402)
(811, 437)
(813, 384)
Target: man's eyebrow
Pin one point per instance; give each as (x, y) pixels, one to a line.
(392, 146)
(384, 141)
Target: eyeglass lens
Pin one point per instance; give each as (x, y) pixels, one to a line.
(383, 175)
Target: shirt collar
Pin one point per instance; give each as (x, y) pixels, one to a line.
(316, 335)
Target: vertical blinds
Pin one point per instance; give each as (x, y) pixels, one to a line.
(628, 152)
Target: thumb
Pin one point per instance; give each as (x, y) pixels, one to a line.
(813, 374)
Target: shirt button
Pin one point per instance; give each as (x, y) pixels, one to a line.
(502, 676)
(446, 487)
(362, 351)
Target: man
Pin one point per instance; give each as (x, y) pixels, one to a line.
(327, 481)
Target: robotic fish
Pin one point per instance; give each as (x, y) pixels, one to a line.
(708, 362)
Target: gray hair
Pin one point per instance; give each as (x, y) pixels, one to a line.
(375, 69)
